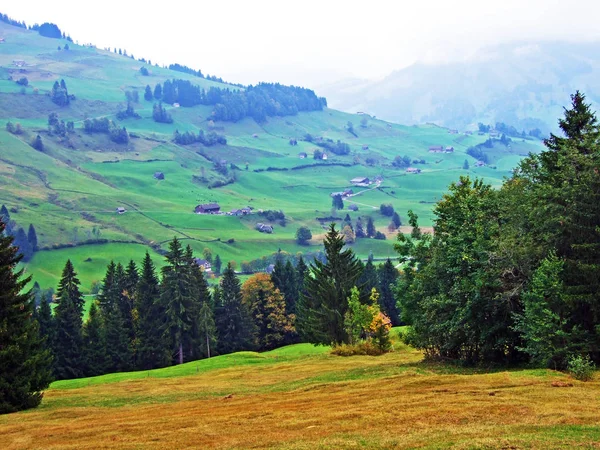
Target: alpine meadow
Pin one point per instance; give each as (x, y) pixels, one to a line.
(188, 261)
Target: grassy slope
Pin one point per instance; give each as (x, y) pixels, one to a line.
(302, 397)
(67, 193)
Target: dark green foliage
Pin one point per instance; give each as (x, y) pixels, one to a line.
(68, 341)
(23, 81)
(185, 69)
(151, 348)
(101, 125)
(158, 92)
(43, 315)
(217, 265)
(324, 302)
(466, 165)
(380, 236)
(148, 96)
(368, 278)
(187, 138)
(160, 114)
(359, 230)
(38, 144)
(22, 243)
(129, 112)
(144, 71)
(401, 161)
(371, 227)
(387, 209)
(176, 296)
(396, 221)
(337, 202)
(338, 147)
(94, 343)
(32, 237)
(235, 327)
(117, 134)
(49, 30)
(60, 93)
(303, 235)
(25, 363)
(387, 275)
(118, 346)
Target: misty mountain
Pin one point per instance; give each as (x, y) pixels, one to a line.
(525, 85)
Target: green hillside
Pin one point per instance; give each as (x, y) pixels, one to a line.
(71, 189)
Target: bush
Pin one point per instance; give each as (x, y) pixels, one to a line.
(581, 368)
(366, 348)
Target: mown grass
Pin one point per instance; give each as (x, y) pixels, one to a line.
(302, 397)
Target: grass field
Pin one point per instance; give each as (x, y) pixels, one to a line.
(301, 397)
(69, 193)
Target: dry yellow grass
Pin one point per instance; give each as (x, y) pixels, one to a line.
(319, 401)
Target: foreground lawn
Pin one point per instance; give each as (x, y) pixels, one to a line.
(301, 397)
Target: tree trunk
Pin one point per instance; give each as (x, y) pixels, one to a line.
(180, 352)
(207, 345)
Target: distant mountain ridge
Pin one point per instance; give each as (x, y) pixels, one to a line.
(522, 84)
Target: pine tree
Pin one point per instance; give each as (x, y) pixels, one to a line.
(387, 276)
(67, 346)
(218, 264)
(368, 278)
(148, 94)
(235, 327)
(118, 345)
(396, 220)
(32, 238)
(359, 231)
(371, 227)
(207, 329)
(4, 215)
(175, 295)
(152, 349)
(46, 321)
(321, 309)
(158, 91)
(130, 281)
(109, 296)
(25, 364)
(22, 244)
(94, 343)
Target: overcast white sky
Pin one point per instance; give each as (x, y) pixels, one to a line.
(309, 42)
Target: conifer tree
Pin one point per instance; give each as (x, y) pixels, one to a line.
(94, 343)
(32, 238)
(360, 231)
(118, 345)
(371, 227)
(151, 348)
(175, 295)
(109, 296)
(235, 327)
(387, 276)
(25, 365)
(218, 265)
(4, 215)
(368, 278)
(129, 285)
(67, 346)
(22, 244)
(46, 321)
(148, 96)
(321, 309)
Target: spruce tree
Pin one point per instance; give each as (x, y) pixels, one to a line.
(4, 215)
(360, 231)
(371, 227)
(22, 244)
(25, 365)
(387, 276)
(151, 350)
(176, 297)
(368, 278)
(67, 346)
(32, 238)
(46, 321)
(94, 343)
(321, 309)
(109, 296)
(129, 285)
(218, 265)
(235, 327)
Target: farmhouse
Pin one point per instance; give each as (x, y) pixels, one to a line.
(436, 149)
(264, 228)
(246, 210)
(449, 149)
(204, 264)
(208, 208)
(235, 212)
(360, 181)
(159, 175)
(302, 155)
(121, 210)
(413, 170)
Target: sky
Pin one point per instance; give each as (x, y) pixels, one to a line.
(310, 42)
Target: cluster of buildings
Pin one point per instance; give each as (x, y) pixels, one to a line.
(215, 208)
(441, 149)
(264, 228)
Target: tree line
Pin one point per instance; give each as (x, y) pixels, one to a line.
(512, 274)
(259, 102)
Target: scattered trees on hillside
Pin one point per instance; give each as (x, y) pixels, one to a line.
(401, 161)
(148, 96)
(37, 143)
(160, 114)
(60, 94)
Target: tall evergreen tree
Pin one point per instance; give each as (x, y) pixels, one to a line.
(109, 295)
(152, 349)
(67, 346)
(368, 278)
(321, 309)
(94, 343)
(130, 281)
(371, 227)
(25, 363)
(148, 96)
(217, 265)
(387, 276)
(4, 215)
(32, 238)
(118, 345)
(22, 244)
(235, 327)
(176, 297)
(360, 231)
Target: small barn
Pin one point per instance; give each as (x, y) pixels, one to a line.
(121, 210)
(264, 228)
(159, 175)
(324, 156)
(413, 170)
(449, 149)
(208, 208)
(436, 149)
(360, 181)
(302, 155)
